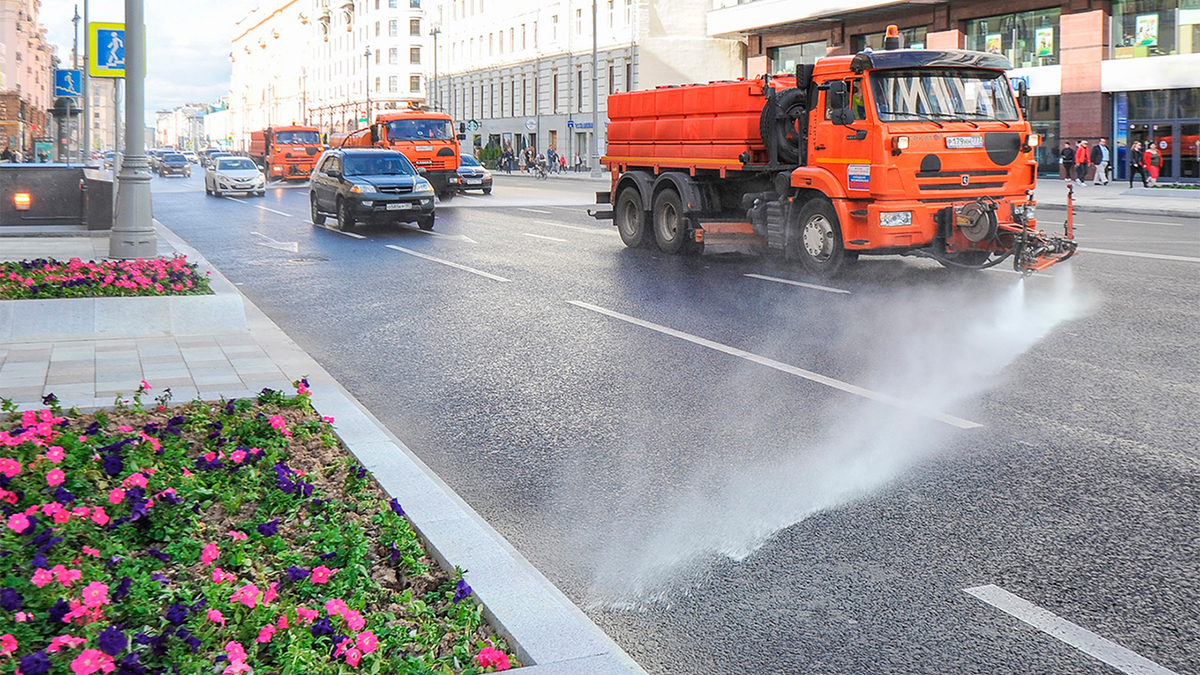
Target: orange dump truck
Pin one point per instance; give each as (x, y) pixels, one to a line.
(425, 137)
(913, 152)
(286, 152)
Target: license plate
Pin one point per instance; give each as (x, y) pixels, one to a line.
(964, 142)
(399, 206)
(474, 181)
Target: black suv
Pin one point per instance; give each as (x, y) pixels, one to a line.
(369, 185)
(175, 162)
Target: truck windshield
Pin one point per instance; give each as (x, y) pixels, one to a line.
(420, 130)
(297, 138)
(942, 93)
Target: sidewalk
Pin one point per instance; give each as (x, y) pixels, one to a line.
(88, 351)
(1118, 197)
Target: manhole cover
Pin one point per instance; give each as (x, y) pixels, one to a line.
(310, 259)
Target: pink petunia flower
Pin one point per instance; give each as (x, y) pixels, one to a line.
(216, 616)
(116, 496)
(41, 577)
(95, 594)
(282, 623)
(8, 644)
(95, 553)
(67, 576)
(99, 517)
(81, 512)
(237, 456)
(55, 477)
(267, 632)
(366, 642)
(220, 576)
(18, 522)
(321, 574)
(353, 656)
(309, 615)
(22, 617)
(55, 454)
(235, 651)
(64, 641)
(238, 536)
(354, 620)
(277, 422)
(271, 593)
(210, 553)
(247, 595)
(134, 480)
(90, 661)
(124, 429)
(146, 386)
(9, 467)
(335, 607)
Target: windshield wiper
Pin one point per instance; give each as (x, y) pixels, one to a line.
(925, 116)
(981, 116)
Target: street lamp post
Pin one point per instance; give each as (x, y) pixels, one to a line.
(595, 158)
(367, 54)
(133, 230)
(436, 30)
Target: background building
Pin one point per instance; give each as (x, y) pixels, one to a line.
(519, 72)
(27, 65)
(1126, 70)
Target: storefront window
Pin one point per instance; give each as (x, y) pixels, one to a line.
(910, 38)
(1028, 39)
(1044, 114)
(1155, 28)
(783, 60)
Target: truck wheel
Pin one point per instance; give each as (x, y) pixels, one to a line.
(630, 216)
(446, 195)
(790, 105)
(345, 219)
(317, 218)
(816, 239)
(670, 225)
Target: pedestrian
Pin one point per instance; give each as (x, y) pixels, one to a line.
(552, 158)
(578, 162)
(7, 155)
(562, 164)
(1100, 158)
(1137, 163)
(1153, 161)
(1083, 160)
(1067, 160)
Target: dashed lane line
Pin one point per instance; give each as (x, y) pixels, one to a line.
(1136, 254)
(264, 208)
(1143, 222)
(538, 211)
(789, 282)
(785, 368)
(542, 236)
(588, 230)
(446, 263)
(1055, 626)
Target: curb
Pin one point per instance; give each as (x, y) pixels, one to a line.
(1103, 208)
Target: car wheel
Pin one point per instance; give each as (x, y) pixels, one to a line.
(816, 239)
(487, 191)
(425, 222)
(345, 219)
(216, 191)
(317, 218)
(207, 190)
(260, 193)
(446, 195)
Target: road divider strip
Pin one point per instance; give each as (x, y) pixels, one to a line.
(1136, 254)
(785, 368)
(798, 283)
(1055, 626)
(446, 263)
(542, 236)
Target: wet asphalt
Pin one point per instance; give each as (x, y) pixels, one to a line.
(655, 434)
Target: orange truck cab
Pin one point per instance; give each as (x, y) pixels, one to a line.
(425, 137)
(898, 151)
(286, 152)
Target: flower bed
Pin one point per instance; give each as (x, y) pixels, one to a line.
(48, 278)
(230, 537)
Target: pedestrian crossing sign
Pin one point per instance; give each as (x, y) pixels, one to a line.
(106, 49)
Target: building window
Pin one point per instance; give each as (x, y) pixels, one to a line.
(910, 38)
(610, 13)
(1155, 28)
(393, 28)
(414, 4)
(393, 83)
(376, 84)
(393, 56)
(376, 29)
(554, 28)
(579, 90)
(1026, 39)
(377, 56)
(628, 77)
(414, 27)
(522, 36)
(783, 60)
(414, 83)
(612, 79)
(628, 12)
(414, 55)
(579, 22)
(554, 96)
(393, 4)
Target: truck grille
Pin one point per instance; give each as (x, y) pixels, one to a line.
(984, 179)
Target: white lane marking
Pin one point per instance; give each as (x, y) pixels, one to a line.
(537, 211)
(798, 283)
(281, 213)
(589, 230)
(1135, 254)
(457, 237)
(1143, 222)
(783, 367)
(348, 234)
(542, 236)
(1080, 638)
(292, 246)
(446, 263)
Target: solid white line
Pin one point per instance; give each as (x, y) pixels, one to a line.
(798, 283)
(1143, 222)
(1135, 254)
(537, 211)
(542, 236)
(348, 234)
(232, 199)
(588, 230)
(1082, 639)
(446, 263)
(783, 367)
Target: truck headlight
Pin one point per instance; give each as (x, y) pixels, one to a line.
(1033, 140)
(895, 218)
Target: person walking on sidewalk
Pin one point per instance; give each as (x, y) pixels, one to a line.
(1100, 158)
(1083, 159)
(1067, 160)
(1153, 161)
(1137, 163)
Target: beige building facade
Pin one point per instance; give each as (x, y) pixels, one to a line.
(26, 74)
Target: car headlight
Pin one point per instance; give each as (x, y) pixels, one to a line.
(487, 175)
(895, 218)
(356, 189)
(422, 187)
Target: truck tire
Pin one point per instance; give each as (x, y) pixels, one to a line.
(630, 216)
(670, 223)
(790, 105)
(816, 239)
(317, 218)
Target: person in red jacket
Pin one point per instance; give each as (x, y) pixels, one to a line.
(1153, 161)
(1083, 160)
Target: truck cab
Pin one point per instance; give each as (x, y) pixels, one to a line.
(425, 137)
(286, 152)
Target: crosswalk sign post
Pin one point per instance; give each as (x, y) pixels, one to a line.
(106, 49)
(68, 83)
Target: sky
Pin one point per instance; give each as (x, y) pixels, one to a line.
(187, 44)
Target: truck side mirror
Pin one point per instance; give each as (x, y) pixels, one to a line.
(462, 129)
(462, 137)
(1023, 98)
(374, 134)
(838, 102)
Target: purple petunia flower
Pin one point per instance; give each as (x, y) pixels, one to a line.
(162, 580)
(39, 562)
(395, 504)
(113, 464)
(58, 611)
(159, 554)
(461, 591)
(122, 588)
(395, 552)
(36, 663)
(177, 613)
(269, 528)
(49, 399)
(321, 627)
(62, 496)
(11, 599)
(130, 666)
(297, 573)
(112, 641)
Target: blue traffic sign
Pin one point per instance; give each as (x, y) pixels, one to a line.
(107, 50)
(68, 83)
(570, 124)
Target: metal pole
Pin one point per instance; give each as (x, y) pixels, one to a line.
(133, 228)
(368, 55)
(87, 91)
(594, 159)
(434, 33)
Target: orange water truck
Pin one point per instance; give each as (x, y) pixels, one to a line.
(426, 137)
(286, 152)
